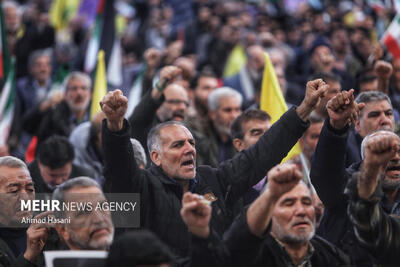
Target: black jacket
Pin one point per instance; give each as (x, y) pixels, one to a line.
(242, 249)
(329, 177)
(374, 228)
(161, 196)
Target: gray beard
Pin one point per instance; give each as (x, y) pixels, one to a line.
(390, 185)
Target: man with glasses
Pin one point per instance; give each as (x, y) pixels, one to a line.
(167, 101)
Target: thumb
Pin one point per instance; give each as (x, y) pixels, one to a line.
(361, 106)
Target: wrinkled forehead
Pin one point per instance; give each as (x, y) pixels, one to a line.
(171, 133)
(11, 175)
(299, 191)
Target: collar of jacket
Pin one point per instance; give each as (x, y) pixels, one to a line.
(157, 171)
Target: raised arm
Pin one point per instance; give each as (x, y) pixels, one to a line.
(119, 162)
(328, 165)
(248, 167)
(143, 115)
(375, 230)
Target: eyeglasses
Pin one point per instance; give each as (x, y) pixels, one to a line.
(177, 102)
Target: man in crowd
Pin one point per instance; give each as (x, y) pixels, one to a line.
(329, 175)
(46, 120)
(166, 101)
(54, 164)
(173, 153)
(215, 143)
(19, 246)
(374, 228)
(248, 81)
(88, 230)
(377, 114)
(278, 228)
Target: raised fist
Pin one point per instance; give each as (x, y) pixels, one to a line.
(383, 69)
(380, 148)
(168, 75)
(114, 105)
(152, 58)
(282, 178)
(196, 213)
(342, 109)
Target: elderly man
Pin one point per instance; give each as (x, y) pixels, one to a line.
(329, 175)
(19, 246)
(48, 119)
(215, 144)
(89, 230)
(173, 172)
(278, 229)
(374, 228)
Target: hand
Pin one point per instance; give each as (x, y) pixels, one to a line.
(281, 179)
(383, 69)
(114, 105)
(380, 148)
(315, 90)
(196, 214)
(55, 98)
(152, 58)
(37, 235)
(342, 109)
(169, 74)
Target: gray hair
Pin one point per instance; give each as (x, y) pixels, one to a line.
(372, 96)
(78, 75)
(153, 138)
(364, 141)
(140, 155)
(12, 162)
(12, 4)
(37, 54)
(218, 94)
(78, 182)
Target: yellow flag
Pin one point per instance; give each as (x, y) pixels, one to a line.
(62, 11)
(100, 84)
(272, 100)
(237, 58)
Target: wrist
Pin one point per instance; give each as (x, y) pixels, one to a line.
(115, 126)
(337, 125)
(201, 232)
(29, 256)
(304, 111)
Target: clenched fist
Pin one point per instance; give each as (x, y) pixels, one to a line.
(114, 105)
(282, 178)
(342, 109)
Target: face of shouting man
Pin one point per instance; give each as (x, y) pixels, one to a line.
(176, 154)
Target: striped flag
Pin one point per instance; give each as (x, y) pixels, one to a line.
(100, 85)
(94, 42)
(7, 76)
(391, 38)
(272, 100)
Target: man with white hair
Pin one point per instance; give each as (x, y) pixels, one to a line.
(46, 120)
(215, 143)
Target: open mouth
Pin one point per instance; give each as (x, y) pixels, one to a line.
(301, 224)
(393, 171)
(188, 163)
